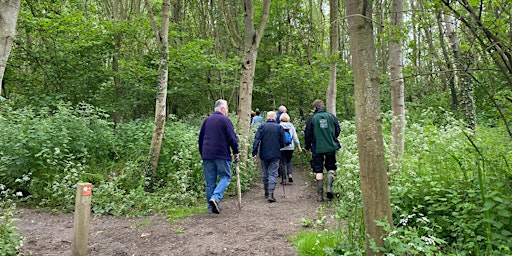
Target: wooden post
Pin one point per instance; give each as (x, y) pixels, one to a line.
(81, 221)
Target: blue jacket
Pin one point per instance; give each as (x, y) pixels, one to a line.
(269, 140)
(216, 137)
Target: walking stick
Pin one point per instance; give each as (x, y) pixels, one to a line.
(283, 171)
(238, 187)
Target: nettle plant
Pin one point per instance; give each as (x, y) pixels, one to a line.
(460, 181)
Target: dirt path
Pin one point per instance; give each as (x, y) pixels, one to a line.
(261, 228)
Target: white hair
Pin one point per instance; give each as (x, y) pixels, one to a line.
(220, 104)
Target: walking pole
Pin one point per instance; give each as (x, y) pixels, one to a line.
(282, 176)
(238, 187)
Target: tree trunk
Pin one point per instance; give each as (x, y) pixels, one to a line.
(450, 65)
(374, 180)
(163, 73)
(462, 77)
(333, 51)
(9, 10)
(396, 81)
(250, 54)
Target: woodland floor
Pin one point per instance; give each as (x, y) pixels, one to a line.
(260, 228)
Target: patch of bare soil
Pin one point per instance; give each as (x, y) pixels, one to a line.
(260, 228)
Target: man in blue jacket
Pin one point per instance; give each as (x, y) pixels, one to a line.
(216, 138)
(268, 141)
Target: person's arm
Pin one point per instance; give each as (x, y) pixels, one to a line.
(282, 137)
(295, 138)
(337, 129)
(200, 140)
(256, 143)
(308, 134)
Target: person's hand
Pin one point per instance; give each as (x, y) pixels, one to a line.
(300, 149)
(254, 158)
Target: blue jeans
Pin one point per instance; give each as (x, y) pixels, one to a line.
(212, 169)
(269, 174)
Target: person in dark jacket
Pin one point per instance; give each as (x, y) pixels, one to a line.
(217, 139)
(321, 138)
(268, 141)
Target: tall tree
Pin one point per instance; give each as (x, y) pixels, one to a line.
(462, 75)
(334, 54)
(251, 42)
(9, 10)
(162, 36)
(396, 81)
(370, 143)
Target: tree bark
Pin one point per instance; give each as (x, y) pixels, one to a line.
(462, 77)
(373, 176)
(250, 53)
(333, 52)
(9, 10)
(162, 37)
(396, 82)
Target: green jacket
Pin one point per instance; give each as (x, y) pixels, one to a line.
(322, 131)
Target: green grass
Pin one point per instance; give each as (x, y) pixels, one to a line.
(183, 212)
(314, 243)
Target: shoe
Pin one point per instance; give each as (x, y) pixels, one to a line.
(266, 195)
(271, 198)
(320, 197)
(290, 180)
(215, 206)
(330, 196)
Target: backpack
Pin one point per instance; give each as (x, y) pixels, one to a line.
(287, 137)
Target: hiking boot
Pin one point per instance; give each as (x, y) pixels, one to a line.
(320, 186)
(320, 197)
(266, 195)
(271, 198)
(330, 196)
(215, 206)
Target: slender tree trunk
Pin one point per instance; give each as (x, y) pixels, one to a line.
(117, 78)
(397, 82)
(162, 36)
(462, 77)
(9, 10)
(334, 54)
(449, 63)
(250, 53)
(370, 143)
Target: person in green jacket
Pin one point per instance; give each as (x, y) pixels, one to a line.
(321, 138)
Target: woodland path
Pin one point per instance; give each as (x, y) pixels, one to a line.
(260, 228)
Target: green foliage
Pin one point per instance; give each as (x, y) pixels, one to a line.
(45, 147)
(460, 183)
(450, 193)
(408, 240)
(45, 153)
(10, 241)
(315, 242)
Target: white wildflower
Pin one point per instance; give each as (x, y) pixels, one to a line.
(430, 240)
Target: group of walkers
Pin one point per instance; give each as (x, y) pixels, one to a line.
(217, 140)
